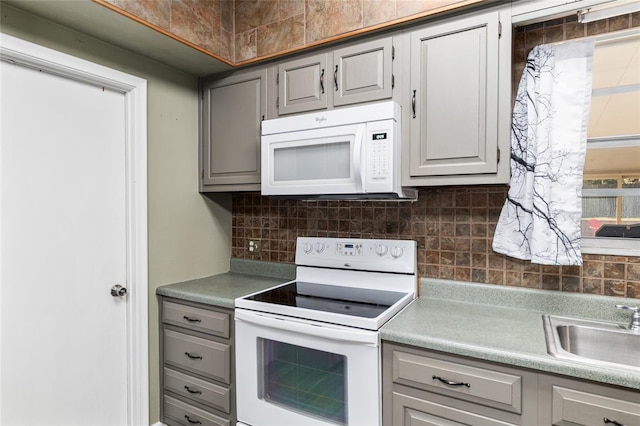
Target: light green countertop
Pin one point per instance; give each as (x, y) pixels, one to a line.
(503, 324)
(489, 322)
(245, 277)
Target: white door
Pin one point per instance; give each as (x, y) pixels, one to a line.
(65, 340)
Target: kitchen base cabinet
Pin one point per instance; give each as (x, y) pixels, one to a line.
(197, 376)
(422, 387)
(417, 411)
(178, 413)
(565, 402)
(427, 388)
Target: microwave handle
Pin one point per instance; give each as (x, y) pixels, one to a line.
(358, 174)
(343, 334)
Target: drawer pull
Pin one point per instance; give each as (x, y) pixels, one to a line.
(192, 391)
(613, 422)
(193, 422)
(191, 319)
(451, 383)
(192, 356)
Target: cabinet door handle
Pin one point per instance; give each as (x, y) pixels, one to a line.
(192, 356)
(451, 383)
(196, 392)
(193, 422)
(413, 104)
(192, 319)
(322, 81)
(335, 77)
(613, 422)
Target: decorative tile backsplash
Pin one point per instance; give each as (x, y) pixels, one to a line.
(453, 227)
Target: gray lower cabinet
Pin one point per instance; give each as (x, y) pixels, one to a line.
(458, 102)
(422, 387)
(196, 364)
(232, 110)
(565, 402)
(427, 388)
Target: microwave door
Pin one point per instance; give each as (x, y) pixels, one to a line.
(312, 162)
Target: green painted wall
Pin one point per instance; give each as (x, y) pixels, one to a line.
(189, 235)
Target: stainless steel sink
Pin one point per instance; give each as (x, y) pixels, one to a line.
(595, 342)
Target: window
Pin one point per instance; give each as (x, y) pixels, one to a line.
(611, 191)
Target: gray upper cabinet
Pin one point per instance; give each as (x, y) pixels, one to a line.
(455, 98)
(356, 73)
(363, 72)
(232, 111)
(302, 84)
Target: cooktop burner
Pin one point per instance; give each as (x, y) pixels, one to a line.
(358, 302)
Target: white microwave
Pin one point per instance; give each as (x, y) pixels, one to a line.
(348, 153)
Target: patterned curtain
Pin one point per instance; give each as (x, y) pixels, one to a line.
(540, 220)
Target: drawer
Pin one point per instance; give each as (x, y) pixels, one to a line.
(480, 385)
(201, 356)
(574, 407)
(218, 397)
(204, 320)
(412, 411)
(185, 414)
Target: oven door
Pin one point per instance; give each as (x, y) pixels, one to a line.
(294, 372)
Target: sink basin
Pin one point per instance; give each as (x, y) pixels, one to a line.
(595, 342)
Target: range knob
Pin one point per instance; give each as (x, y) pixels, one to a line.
(397, 252)
(320, 247)
(381, 249)
(307, 247)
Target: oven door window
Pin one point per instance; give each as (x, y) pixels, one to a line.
(306, 380)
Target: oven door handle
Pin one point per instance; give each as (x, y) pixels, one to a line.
(326, 331)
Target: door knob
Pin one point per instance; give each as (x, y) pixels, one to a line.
(117, 290)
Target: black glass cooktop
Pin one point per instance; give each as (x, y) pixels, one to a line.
(329, 298)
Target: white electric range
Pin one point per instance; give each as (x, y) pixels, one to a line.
(308, 351)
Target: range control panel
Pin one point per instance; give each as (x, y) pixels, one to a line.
(349, 249)
(361, 254)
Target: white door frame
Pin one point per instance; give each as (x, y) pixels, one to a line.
(135, 91)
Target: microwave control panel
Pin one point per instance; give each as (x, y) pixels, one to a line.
(380, 154)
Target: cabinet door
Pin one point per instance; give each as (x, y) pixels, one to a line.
(573, 402)
(412, 411)
(454, 97)
(363, 72)
(302, 84)
(197, 355)
(233, 108)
